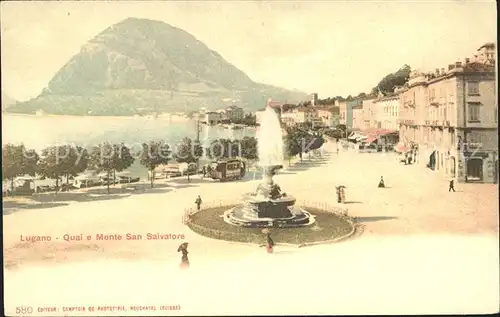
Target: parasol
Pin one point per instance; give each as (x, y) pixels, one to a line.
(183, 246)
(266, 231)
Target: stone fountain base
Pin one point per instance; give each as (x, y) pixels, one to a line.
(264, 213)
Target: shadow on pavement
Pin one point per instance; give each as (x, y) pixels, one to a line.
(352, 202)
(51, 200)
(194, 180)
(373, 219)
(10, 207)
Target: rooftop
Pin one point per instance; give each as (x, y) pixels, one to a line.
(487, 45)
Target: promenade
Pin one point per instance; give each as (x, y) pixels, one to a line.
(421, 249)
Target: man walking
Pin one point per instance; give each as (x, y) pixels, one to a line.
(198, 202)
(452, 185)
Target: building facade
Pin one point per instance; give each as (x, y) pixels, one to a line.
(300, 115)
(452, 116)
(386, 112)
(342, 106)
(357, 117)
(328, 116)
(349, 111)
(368, 113)
(212, 117)
(234, 113)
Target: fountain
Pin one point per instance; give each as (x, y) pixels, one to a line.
(268, 206)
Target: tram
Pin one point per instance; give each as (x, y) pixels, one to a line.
(227, 169)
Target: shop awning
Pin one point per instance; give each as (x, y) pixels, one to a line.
(401, 148)
(370, 139)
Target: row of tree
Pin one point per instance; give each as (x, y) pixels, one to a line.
(66, 161)
(56, 162)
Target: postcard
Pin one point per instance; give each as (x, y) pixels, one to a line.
(210, 158)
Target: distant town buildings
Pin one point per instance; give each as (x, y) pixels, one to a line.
(299, 115)
(447, 120)
(357, 116)
(368, 113)
(234, 113)
(386, 112)
(314, 99)
(212, 117)
(328, 115)
(342, 106)
(350, 104)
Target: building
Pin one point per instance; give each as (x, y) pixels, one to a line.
(342, 106)
(212, 117)
(234, 113)
(452, 116)
(412, 110)
(486, 54)
(368, 113)
(349, 111)
(314, 99)
(357, 117)
(328, 116)
(386, 112)
(300, 115)
(222, 114)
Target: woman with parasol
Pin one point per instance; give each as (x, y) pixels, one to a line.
(184, 260)
(269, 241)
(340, 193)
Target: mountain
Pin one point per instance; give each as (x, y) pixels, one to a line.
(7, 101)
(145, 66)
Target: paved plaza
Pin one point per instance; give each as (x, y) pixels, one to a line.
(421, 249)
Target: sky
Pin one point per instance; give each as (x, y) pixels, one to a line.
(329, 47)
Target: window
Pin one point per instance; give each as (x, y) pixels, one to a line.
(473, 88)
(474, 112)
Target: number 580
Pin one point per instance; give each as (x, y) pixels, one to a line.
(24, 310)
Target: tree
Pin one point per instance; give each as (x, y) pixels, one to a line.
(390, 81)
(75, 162)
(18, 161)
(224, 148)
(123, 159)
(188, 152)
(250, 120)
(292, 146)
(153, 154)
(249, 148)
(103, 158)
(55, 162)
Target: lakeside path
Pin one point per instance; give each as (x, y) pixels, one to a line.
(418, 242)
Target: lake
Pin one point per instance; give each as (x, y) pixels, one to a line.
(38, 132)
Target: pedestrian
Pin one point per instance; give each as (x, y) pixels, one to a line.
(204, 170)
(337, 151)
(198, 202)
(381, 183)
(184, 260)
(339, 197)
(269, 243)
(452, 185)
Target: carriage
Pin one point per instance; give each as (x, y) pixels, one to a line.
(227, 169)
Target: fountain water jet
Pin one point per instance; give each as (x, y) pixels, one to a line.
(268, 206)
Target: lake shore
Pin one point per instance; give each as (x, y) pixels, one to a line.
(163, 116)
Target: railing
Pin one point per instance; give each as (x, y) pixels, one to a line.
(249, 237)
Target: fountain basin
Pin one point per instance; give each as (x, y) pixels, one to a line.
(258, 212)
